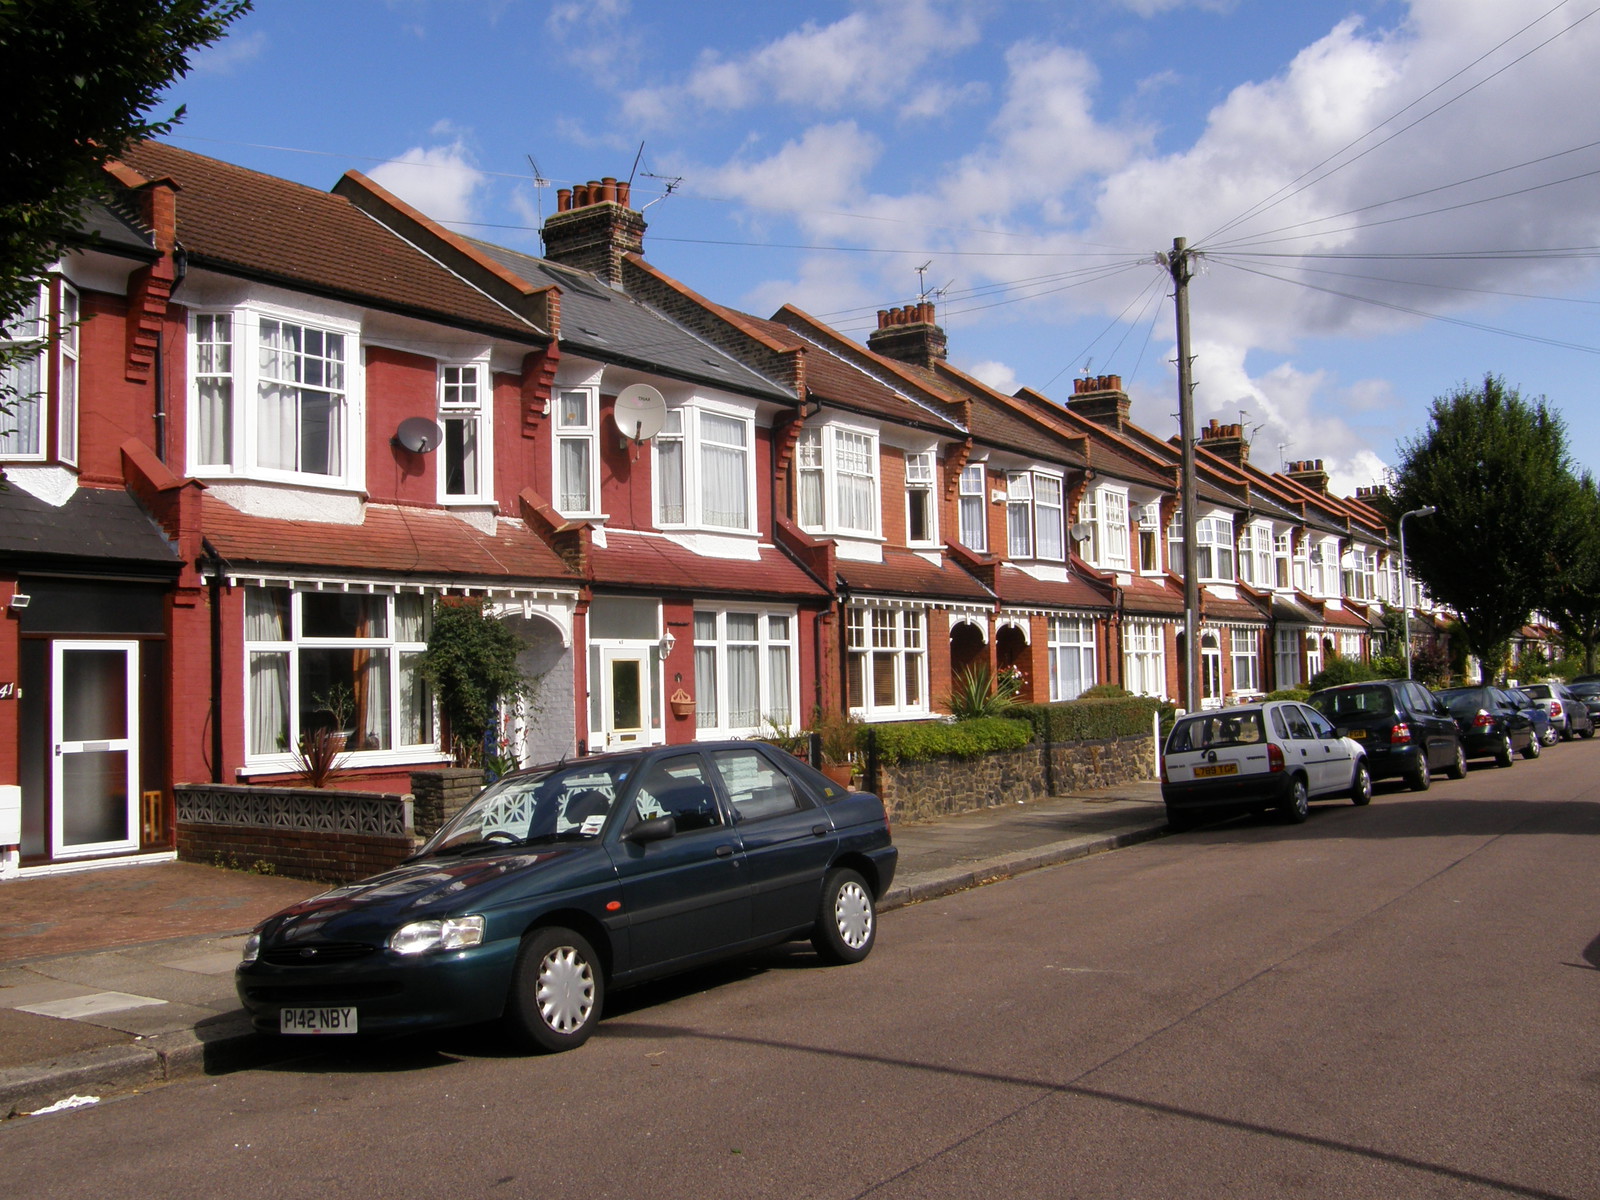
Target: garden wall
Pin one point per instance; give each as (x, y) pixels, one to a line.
(923, 790)
(309, 833)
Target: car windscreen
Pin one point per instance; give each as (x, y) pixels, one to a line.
(1466, 702)
(569, 800)
(1354, 702)
(1539, 691)
(1216, 729)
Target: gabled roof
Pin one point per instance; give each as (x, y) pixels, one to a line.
(602, 322)
(997, 421)
(1017, 588)
(257, 226)
(653, 562)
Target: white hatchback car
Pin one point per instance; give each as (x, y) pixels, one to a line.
(1276, 756)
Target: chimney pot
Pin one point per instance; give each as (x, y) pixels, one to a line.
(608, 189)
(625, 194)
(563, 199)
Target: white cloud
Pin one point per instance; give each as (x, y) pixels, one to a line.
(231, 53)
(439, 181)
(824, 167)
(997, 375)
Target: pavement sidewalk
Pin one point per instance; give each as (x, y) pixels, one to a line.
(91, 1004)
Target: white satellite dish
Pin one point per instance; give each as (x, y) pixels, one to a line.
(420, 435)
(1081, 531)
(641, 411)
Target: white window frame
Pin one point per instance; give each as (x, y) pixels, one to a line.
(777, 700)
(686, 428)
(243, 377)
(69, 371)
(922, 486)
(390, 643)
(1073, 655)
(1213, 538)
(1283, 560)
(1023, 506)
(32, 328)
(1150, 524)
(1111, 528)
(896, 636)
(837, 444)
(1350, 646)
(1286, 647)
(1144, 658)
(1244, 646)
(973, 507)
(474, 412)
(583, 434)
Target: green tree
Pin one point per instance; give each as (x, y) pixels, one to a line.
(1574, 599)
(83, 76)
(1497, 469)
(471, 664)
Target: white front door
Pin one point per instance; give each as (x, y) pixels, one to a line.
(94, 731)
(625, 697)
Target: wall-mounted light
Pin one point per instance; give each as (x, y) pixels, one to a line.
(665, 645)
(21, 600)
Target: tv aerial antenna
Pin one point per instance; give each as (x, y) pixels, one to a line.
(539, 185)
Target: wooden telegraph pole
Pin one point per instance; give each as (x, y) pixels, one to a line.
(1180, 263)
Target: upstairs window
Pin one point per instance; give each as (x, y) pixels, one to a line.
(462, 413)
(1106, 514)
(1150, 538)
(705, 470)
(1282, 555)
(271, 397)
(1035, 526)
(577, 452)
(30, 394)
(922, 526)
(1213, 538)
(836, 480)
(974, 508)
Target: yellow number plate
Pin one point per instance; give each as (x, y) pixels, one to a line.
(1215, 769)
(1359, 734)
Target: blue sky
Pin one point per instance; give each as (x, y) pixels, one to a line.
(1369, 180)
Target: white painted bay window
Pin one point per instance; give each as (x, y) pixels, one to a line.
(1282, 553)
(1213, 538)
(463, 414)
(1246, 653)
(336, 660)
(922, 523)
(887, 660)
(1035, 526)
(705, 470)
(28, 399)
(1072, 657)
(1109, 528)
(837, 480)
(974, 507)
(577, 446)
(1286, 657)
(1150, 538)
(1144, 659)
(745, 678)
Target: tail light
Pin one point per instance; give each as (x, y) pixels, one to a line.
(1400, 733)
(1483, 720)
(1555, 709)
(1274, 757)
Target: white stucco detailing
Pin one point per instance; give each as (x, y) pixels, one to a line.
(54, 485)
(857, 551)
(291, 504)
(1048, 572)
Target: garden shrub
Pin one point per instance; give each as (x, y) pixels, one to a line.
(1289, 694)
(1089, 719)
(1341, 670)
(919, 741)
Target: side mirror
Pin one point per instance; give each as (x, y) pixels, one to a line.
(656, 829)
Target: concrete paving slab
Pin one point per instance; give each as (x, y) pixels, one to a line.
(89, 1006)
(152, 1021)
(41, 991)
(220, 962)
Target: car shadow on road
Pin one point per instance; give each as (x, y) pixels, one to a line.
(1415, 815)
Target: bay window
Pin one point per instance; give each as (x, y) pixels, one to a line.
(342, 661)
(463, 465)
(271, 396)
(1072, 657)
(836, 480)
(1213, 538)
(974, 508)
(1150, 538)
(577, 447)
(744, 665)
(1144, 659)
(705, 470)
(922, 525)
(1035, 526)
(1286, 658)
(29, 394)
(1106, 514)
(1282, 553)
(887, 660)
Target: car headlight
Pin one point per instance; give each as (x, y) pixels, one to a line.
(452, 933)
(252, 949)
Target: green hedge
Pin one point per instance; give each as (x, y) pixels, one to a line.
(918, 741)
(1091, 719)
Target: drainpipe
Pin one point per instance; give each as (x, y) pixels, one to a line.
(214, 561)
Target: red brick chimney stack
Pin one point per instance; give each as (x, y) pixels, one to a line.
(1308, 472)
(1226, 441)
(593, 227)
(909, 335)
(1100, 398)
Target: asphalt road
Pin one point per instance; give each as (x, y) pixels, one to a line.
(1399, 1001)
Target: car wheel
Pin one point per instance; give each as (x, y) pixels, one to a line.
(1549, 737)
(1587, 733)
(1503, 756)
(1296, 806)
(1458, 768)
(556, 992)
(1533, 749)
(1566, 732)
(1420, 780)
(1361, 786)
(847, 924)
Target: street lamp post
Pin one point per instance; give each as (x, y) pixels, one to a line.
(1427, 510)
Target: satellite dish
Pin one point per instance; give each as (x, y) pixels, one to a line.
(420, 435)
(1081, 531)
(640, 412)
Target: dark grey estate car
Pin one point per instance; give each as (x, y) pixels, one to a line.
(561, 881)
(1405, 729)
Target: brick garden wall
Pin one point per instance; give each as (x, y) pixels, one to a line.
(306, 833)
(440, 794)
(924, 790)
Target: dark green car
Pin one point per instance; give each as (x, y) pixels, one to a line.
(561, 881)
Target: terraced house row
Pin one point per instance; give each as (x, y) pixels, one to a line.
(278, 424)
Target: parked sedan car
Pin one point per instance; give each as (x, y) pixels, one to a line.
(1568, 714)
(562, 881)
(1405, 730)
(1587, 691)
(1491, 724)
(1275, 756)
(1543, 728)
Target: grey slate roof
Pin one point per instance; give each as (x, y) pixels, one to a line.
(603, 323)
(99, 527)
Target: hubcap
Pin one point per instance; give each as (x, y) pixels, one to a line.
(566, 989)
(852, 915)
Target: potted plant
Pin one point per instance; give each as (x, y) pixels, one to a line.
(838, 733)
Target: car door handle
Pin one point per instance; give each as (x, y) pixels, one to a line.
(724, 851)
(819, 830)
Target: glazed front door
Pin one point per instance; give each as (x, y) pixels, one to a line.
(625, 691)
(94, 734)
